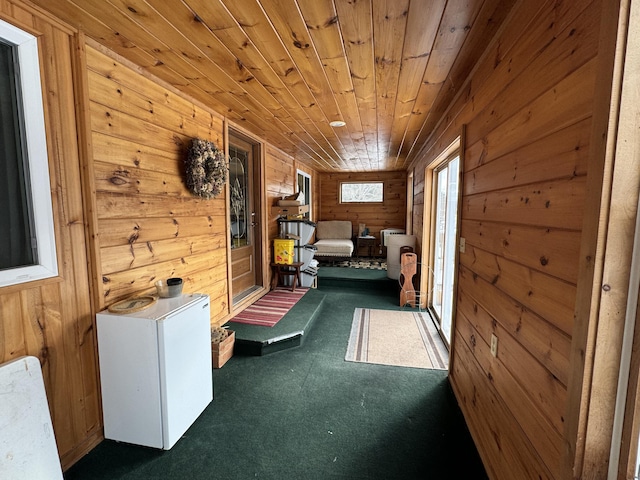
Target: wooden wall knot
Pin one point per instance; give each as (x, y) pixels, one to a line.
(117, 181)
(332, 21)
(44, 355)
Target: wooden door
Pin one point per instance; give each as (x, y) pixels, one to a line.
(244, 201)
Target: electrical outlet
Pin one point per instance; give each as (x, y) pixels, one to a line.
(494, 345)
(463, 244)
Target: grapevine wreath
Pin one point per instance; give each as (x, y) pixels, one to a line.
(206, 169)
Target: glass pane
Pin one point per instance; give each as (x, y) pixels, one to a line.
(239, 198)
(445, 230)
(15, 222)
(439, 244)
(304, 186)
(361, 192)
(450, 248)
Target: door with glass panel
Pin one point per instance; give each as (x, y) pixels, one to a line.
(446, 179)
(244, 208)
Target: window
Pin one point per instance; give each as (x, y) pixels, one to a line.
(361, 192)
(26, 225)
(442, 180)
(304, 186)
(445, 231)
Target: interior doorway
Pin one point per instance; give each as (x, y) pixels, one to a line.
(244, 207)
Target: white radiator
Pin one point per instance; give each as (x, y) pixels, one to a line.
(384, 234)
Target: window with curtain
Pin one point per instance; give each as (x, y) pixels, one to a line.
(26, 223)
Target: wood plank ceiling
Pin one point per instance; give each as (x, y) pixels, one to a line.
(284, 69)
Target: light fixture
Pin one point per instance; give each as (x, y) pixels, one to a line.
(337, 123)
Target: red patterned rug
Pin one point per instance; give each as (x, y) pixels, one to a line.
(271, 308)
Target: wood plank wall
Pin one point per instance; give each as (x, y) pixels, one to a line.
(391, 214)
(527, 109)
(149, 226)
(52, 319)
(281, 181)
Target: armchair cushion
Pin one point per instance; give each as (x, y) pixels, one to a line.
(334, 238)
(334, 229)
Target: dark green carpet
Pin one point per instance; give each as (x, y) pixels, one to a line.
(306, 413)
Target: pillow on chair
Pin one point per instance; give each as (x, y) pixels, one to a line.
(334, 229)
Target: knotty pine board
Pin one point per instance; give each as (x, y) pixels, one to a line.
(541, 418)
(548, 297)
(144, 192)
(550, 250)
(51, 319)
(505, 451)
(528, 131)
(118, 232)
(538, 336)
(559, 155)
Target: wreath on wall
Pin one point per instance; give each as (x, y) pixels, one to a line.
(206, 170)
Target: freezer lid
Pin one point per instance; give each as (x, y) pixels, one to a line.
(164, 306)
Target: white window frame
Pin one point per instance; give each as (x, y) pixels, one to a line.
(307, 194)
(35, 141)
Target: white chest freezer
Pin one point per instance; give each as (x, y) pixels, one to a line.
(155, 370)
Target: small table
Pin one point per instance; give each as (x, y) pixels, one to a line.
(281, 270)
(367, 243)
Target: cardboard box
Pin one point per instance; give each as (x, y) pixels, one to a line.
(223, 351)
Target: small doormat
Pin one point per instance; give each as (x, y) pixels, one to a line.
(271, 308)
(400, 338)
